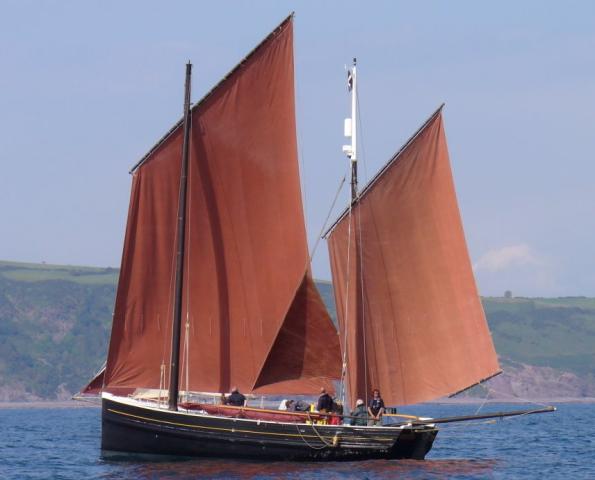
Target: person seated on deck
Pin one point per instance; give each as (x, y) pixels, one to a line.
(236, 399)
(360, 414)
(288, 405)
(301, 406)
(376, 408)
(325, 402)
(337, 418)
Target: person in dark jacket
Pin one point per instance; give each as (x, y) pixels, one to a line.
(236, 399)
(301, 406)
(360, 413)
(325, 402)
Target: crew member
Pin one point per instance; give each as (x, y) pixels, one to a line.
(236, 399)
(325, 402)
(360, 414)
(375, 408)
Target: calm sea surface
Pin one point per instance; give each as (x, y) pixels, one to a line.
(64, 444)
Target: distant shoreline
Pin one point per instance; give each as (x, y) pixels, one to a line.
(446, 401)
(534, 401)
(49, 404)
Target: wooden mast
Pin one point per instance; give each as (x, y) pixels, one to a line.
(181, 233)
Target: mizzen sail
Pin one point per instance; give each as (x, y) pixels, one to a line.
(410, 316)
(248, 290)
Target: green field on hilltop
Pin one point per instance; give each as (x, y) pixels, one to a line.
(552, 332)
(55, 322)
(34, 272)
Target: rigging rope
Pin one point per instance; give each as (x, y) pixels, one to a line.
(306, 441)
(327, 444)
(363, 309)
(323, 229)
(444, 429)
(525, 400)
(186, 364)
(345, 311)
(161, 383)
(484, 402)
(186, 353)
(166, 339)
(517, 398)
(358, 220)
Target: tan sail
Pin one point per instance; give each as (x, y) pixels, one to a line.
(409, 312)
(248, 292)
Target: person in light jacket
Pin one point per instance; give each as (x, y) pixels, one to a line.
(360, 413)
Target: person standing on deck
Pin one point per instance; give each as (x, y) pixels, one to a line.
(236, 399)
(375, 408)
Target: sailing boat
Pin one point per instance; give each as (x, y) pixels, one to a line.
(215, 288)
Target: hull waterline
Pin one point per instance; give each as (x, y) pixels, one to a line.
(139, 429)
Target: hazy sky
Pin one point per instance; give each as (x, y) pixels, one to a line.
(86, 88)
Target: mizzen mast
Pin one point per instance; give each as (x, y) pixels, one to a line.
(351, 129)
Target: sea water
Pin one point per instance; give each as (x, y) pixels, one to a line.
(64, 443)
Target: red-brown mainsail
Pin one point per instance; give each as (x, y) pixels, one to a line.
(248, 291)
(412, 320)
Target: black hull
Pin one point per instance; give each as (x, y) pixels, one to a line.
(137, 429)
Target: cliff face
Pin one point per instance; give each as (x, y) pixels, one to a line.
(522, 381)
(55, 323)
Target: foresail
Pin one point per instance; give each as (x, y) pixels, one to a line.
(305, 355)
(408, 307)
(95, 386)
(246, 248)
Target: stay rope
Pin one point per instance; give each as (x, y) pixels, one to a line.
(485, 400)
(325, 223)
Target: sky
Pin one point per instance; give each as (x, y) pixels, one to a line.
(86, 88)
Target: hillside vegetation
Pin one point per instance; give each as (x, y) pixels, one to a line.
(551, 332)
(55, 323)
(54, 328)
